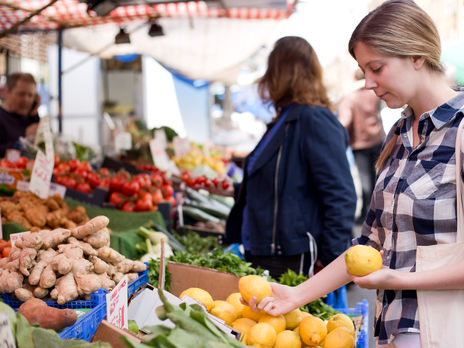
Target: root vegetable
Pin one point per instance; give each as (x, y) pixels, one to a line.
(61, 264)
(16, 216)
(71, 251)
(53, 238)
(138, 266)
(36, 311)
(36, 217)
(81, 266)
(12, 266)
(110, 255)
(86, 247)
(31, 240)
(69, 224)
(131, 277)
(92, 226)
(66, 289)
(117, 277)
(124, 266)
(78, 215)
(27, 260)
(47, 278)
(99, 239)
(10, 281)
(88, 283)
(55, 218)
(99, 266)
(52, 204)
(40, 292)
(23, 294)
(44, 258)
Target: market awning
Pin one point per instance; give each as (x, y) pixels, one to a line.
(73, 13)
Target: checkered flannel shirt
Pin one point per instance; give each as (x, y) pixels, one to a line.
(414, 203)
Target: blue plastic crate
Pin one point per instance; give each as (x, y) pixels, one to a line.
(337, 298)
(362, 308)
(85, 327)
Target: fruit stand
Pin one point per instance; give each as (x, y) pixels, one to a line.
(99, 227)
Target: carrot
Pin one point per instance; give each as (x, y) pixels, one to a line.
(6, 251)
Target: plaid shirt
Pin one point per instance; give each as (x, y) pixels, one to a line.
(414, 203)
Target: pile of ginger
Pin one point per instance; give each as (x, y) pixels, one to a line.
(35, 214)
(65, 264)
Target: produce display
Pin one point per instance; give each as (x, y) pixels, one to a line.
(34, 213)
(65, 264)
(26, 335)
(197, 157)
(38, 312)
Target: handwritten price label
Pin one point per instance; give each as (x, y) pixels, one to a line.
(6, 336)
(14, 237)
(116, 305)
(41, 175)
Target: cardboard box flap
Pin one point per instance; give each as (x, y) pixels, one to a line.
(219, 284)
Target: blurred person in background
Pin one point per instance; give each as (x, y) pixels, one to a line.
(296, 203)
(359, 113)
(18, 112)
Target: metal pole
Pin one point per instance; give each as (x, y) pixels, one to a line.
(60, 82)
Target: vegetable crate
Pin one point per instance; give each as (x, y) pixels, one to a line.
(361, 309)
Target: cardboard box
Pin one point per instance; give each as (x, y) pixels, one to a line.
(219, 284)
(111, 334)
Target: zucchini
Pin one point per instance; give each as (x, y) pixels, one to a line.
(198, 214)
(217, 211)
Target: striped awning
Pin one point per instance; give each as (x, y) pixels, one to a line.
(72, 13)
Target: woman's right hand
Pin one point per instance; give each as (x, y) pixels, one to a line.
(282, 302)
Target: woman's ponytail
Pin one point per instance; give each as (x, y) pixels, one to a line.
(388, 148)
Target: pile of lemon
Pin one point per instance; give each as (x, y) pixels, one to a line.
(296, 329)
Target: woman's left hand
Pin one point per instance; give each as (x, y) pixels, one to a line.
(382, 279)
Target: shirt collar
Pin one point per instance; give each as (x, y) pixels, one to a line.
(442, 114)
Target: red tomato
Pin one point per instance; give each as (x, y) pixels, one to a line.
(5, 163)
(85, 166)
(128, 206)
(84, 187)
(74, 163)
(143, 205)
(185, 176)
(130, 188)
(225, 185)
(67, 181)
(156, 179)
(167, 191)
(56, 159)
(104, 172)
(215, 182)
(21, 162)
(93, 179)
(116, 183)
(105, 183)
(64, 167)
(157, 197)
(117, 199)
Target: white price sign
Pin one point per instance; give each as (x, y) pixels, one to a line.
(116, 305)
(6, 336)
(57, 189)
(41, 175)
(14, 237)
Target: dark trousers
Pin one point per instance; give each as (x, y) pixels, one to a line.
(365, 161)
(279, 264)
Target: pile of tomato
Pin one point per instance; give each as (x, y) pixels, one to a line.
(80, 176)
(202, 181)
(141, 192)
(21, 163)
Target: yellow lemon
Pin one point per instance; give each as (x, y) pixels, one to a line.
(362, 259)
(297, 329)
(278, 323)
(224, 310)
(248, 313)
(292, 319)
(312, 331)
(243, 325)
(287, 339)
(338, 320)
(199, 295)
(340, 337)
(305, 315)
(254, 285)
(262, 335)
(234, 300)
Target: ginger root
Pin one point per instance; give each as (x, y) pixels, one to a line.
(65, 289)
(99, 239)
(92, 226)
(110, 255)
(10, 281)
(44, 258)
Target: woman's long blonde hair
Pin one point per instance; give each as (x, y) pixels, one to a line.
(399, 28)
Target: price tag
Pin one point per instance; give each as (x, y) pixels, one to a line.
(6, 336)
(116, 305)
(22, 185)
(14, 237)
(122, 141)
(181, 146)
(160, 158)
(57, 189)
(12, 155)
(41, 175)
(6, 178)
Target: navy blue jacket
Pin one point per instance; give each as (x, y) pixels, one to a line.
(300, 184)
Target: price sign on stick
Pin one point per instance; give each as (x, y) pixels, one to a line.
(116, 305)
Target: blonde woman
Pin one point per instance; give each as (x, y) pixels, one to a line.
(414, 201)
